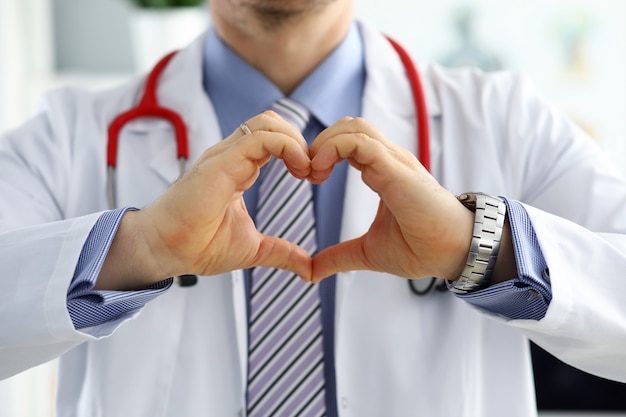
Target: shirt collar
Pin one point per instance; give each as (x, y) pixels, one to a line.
(238, 91)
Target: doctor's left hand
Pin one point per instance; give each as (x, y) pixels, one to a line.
(200, 225)
(420, 228)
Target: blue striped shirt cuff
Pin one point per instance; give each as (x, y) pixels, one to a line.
(89, 308)
(528, 295)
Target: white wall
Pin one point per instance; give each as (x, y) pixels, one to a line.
(528, 36)
(24, 53)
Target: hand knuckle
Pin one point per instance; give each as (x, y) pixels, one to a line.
(360, 123)
(268, 115)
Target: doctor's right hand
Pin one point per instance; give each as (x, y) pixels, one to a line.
(200, 225)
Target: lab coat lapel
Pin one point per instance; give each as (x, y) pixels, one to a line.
(181, 89)
(388, 104)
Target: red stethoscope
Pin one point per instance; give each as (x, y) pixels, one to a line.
(149, 107)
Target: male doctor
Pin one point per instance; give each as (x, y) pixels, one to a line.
(94, 286)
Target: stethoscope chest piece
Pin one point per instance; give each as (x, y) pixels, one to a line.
(187, 280)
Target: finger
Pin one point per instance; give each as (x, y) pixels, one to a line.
(362, 151)
(271, 121)
(267, 121)
(349, 138)
(356, 125)
(341, 126)
(318, 177)
(380, 161)
(237, 165)
(293, 152)
(345, 256)
(282, 254)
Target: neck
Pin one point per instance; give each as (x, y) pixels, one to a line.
(287, 46)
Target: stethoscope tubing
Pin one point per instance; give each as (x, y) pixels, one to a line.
(148, 106)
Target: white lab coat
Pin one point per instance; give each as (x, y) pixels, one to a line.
(396, 354)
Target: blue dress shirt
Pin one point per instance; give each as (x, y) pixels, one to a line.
(332, 91)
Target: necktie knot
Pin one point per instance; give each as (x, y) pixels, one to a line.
(292, 111)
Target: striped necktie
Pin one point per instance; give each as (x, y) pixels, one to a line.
(286, 359)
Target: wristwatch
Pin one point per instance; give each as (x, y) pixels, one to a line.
(488, 222)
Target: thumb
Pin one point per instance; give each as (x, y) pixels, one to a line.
(282, 254)
(345, 256)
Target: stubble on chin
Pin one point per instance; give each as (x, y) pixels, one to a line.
(276, 14)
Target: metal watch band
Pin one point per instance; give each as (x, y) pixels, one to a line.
(490, 213)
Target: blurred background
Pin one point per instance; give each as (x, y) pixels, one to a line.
(573, 50)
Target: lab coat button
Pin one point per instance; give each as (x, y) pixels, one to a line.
(240, 413)
(534, 294)
(344, 402)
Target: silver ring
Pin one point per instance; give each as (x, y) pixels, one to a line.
(245, 128)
